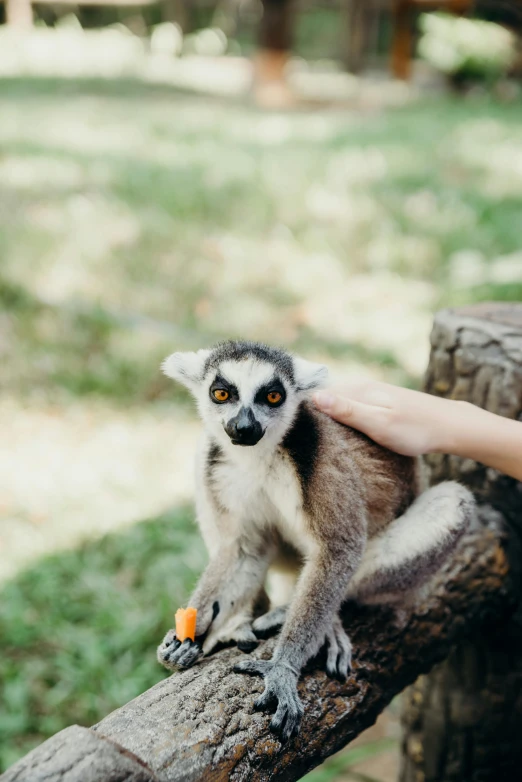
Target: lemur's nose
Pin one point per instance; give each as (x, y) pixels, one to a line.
(244, 428)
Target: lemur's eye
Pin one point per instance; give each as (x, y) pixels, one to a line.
(220, 394)
(274, 397)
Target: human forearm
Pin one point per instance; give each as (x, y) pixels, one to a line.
(484, 437)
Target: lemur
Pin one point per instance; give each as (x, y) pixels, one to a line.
(282, 486)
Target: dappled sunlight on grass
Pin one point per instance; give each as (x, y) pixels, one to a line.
(26, 174)
(78, 630)
(500, 170)
(73, 473)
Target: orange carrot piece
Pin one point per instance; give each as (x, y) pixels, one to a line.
(186, 623)
(180, 624)
(190, 623)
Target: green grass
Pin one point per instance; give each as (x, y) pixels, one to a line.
(79, 630)
(121, 203)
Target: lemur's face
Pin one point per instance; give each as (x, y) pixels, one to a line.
(246, 392)
(248, 398)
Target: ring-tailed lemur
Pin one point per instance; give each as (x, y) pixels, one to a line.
(282, 485)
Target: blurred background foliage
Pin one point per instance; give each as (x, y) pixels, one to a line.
(155, 207)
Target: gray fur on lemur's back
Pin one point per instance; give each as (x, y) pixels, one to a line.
(281, 487)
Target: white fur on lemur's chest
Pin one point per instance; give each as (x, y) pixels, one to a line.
(261, 493)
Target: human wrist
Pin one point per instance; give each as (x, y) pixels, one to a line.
(452, 427)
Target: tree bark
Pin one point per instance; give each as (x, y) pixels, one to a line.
(78, 755)
(199, 725)
(463, 721)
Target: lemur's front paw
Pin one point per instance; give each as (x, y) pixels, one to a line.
(174, 654)
(280, 692)
(339, 651)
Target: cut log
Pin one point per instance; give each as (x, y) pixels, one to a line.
(78, 755)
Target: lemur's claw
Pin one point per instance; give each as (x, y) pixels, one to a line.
(266, 702)
(187, 653)
(174, 654)
(169, 644)
(280, 688)
(339, 652)
(338, 671)
(286, 722)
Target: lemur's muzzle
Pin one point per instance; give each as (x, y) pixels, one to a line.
(244, 428)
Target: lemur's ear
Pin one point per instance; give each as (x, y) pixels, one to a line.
(186, 368)
(309, 375)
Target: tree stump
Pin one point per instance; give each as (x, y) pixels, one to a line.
(463, 721)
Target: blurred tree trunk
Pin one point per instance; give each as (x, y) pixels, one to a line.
(276, 27)
(463, 721)
(401, 52)
(359, 29)
(19, 13)
(176, 11)
(404, 14)
(275, 41)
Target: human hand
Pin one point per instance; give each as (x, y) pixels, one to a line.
(406, 421)
(413, 423)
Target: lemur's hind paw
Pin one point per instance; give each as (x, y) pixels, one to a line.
(269, 623)
(173, 654)
(339, 651)
(280, 695)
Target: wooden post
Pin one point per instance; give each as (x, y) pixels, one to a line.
(463, 721)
